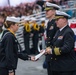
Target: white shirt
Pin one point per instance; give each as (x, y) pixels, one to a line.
(62, 28)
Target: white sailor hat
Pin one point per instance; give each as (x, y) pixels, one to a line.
(33, 19)
(61, 14)
(13, 19)
(23, 17)
(51, 6)
(27, 19)
(42, 19)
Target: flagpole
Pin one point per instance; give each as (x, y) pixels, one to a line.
(9, 3)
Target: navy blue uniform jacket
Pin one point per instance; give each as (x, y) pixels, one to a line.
(66, 60)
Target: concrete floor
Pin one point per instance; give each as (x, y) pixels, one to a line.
(31, 68)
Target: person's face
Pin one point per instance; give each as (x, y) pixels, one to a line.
(15, 27)
(1, 21)
(60, 22)
(50, 13)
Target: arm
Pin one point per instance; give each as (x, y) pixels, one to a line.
(68, 46)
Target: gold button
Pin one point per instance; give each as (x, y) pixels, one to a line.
(55, 59)
(48, 42)
(51, 58)
(60, 51)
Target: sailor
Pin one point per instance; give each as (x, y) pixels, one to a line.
(51, 28)
(9, 47)
(63, 58)
(26, 33)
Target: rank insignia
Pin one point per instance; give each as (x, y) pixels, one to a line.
(51, 28)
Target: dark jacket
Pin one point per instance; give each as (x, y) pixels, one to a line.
(9, 54)
(66, 61)
(50, 32)
(42, 29)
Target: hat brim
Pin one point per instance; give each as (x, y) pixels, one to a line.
(48, 8)
(57, 17)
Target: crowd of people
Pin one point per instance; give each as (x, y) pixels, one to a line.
(26, 9)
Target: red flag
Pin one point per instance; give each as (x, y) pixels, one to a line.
(73, 25)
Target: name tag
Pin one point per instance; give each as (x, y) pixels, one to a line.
(60, 37)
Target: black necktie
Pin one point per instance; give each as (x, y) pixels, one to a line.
(57, 33)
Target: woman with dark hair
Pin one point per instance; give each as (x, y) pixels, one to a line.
(10, 45)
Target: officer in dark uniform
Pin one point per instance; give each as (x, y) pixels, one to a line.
(9, 48)
(51, 27)
(63, 58)
(26, 33)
